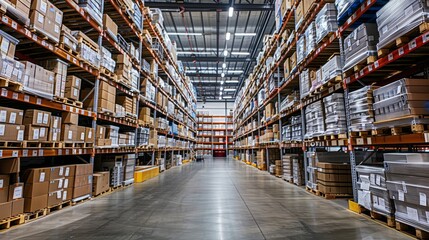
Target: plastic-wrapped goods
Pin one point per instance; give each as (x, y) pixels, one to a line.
(407, 183)
(401, 98)
(300, 49)
(298, 171)
(287, 163)
(317, 81)
(343, 5)
(142, 136)
(399, 17)
(326, 21)
(296, 126)
(286, 133)
(361, 109)
(94, 8)
(107, 61)
(310, 38)
(135, 76)
(335, 114)
(88, 49)
(331, 69)
(289, 101)
(261, 96)
(314, 120)
(157, 16)
(304, 83)
(360, 45)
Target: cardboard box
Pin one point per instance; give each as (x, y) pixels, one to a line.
(73, 81)
(5, 210)
(37, 175)
(69, 170)
(56, 172)
(110, 25)
(100, 132)
(10, 132)
(72, 93)
(36, 133)
(100, 182)
(36, 189)
(89, 134)
(8, 44)
(9, 165)
(83, 169)
(67, 194)
(68, 182)
(4, 188)
(17, 207)
(82, 191)
(55, 122)
(11, 116)
(35, 203)
(55, 198)
(70, 118)
(81, 133)
(16, 191)
(37, 118)
(54, 135)
(82, 180)
(299, 14)
(68, 133)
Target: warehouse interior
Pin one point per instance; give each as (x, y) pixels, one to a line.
(255, 119)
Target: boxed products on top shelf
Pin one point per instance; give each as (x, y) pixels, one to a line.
(47, 19)
(326, 22)
(361, 109)
(335, 114)
(94, 8)
(399, 17)
(61, 80)
(402, 98)
(110, 27)
(107, 61)
(88, 49)
(67, 40)
(360, 45)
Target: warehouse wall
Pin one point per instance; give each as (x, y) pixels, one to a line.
(215, 108)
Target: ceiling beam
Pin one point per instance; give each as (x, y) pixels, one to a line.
(216, 59)
(207, 7)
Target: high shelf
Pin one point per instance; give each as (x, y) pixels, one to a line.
(214, 135)
(96, 83)
(309, 97)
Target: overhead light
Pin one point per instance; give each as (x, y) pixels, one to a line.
(235, 71)
(228, 36)
(220, 98)
(184, 34)
(225, 52)
(222, 74)
(240, 53)
(221, 88)
(231, 11)
(229, 90)
(220, 93)
(227, 97)
(232, 81)
(245, 34)
(196, 53)
(224, 65)
(221, 82)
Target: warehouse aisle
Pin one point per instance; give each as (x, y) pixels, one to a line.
(217, 199)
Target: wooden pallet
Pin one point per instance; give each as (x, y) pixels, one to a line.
(70, 102)
(88, 145)
(69, 50)
(40, 144)
(73, 145)
(106, 112)
(12, 221)
(29, 217)
(43, 35)
(12, 85)
(103, 193)
(400, 130)
(404, 39)
(58, 206)
(311, 190)
(11, 144)
(410, 230)
(104, 71)
(360, 65)
(333, 195)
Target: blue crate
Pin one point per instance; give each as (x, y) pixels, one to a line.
(368, 17)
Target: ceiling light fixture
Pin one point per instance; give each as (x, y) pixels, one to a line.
(232, 81)
(229, 90)
(227, 97)
(220, 93)
(240, 53)
(245, 34)
(224, 65)
(221, 88)
(225, 52)
(221, 82)
(222, 74)
(184, 34)
(231, 11)
(228, 36)
(220, 98)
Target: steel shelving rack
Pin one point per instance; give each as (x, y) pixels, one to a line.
(225, 122)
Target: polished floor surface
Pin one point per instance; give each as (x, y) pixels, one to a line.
(216, 199)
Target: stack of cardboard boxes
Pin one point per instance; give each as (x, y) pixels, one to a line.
(129, 104)
(55, 129)
(11, 124)
(88, 49)
(148, 90)
(288, 167)
(11, 195)
(100, 183)
(123, 68)
(82, 180)
(145, 116)
(72, 88)
(298, 171)
(106, 97)
(67, 40)
(38, 80)
(37, 124)
(261, 160)
(61, 183)
(110, 27)
(59, 68)
(153, 138)
(100, 137)
(334, 178)
(46, 19)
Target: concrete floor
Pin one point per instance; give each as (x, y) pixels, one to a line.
(217, 199)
